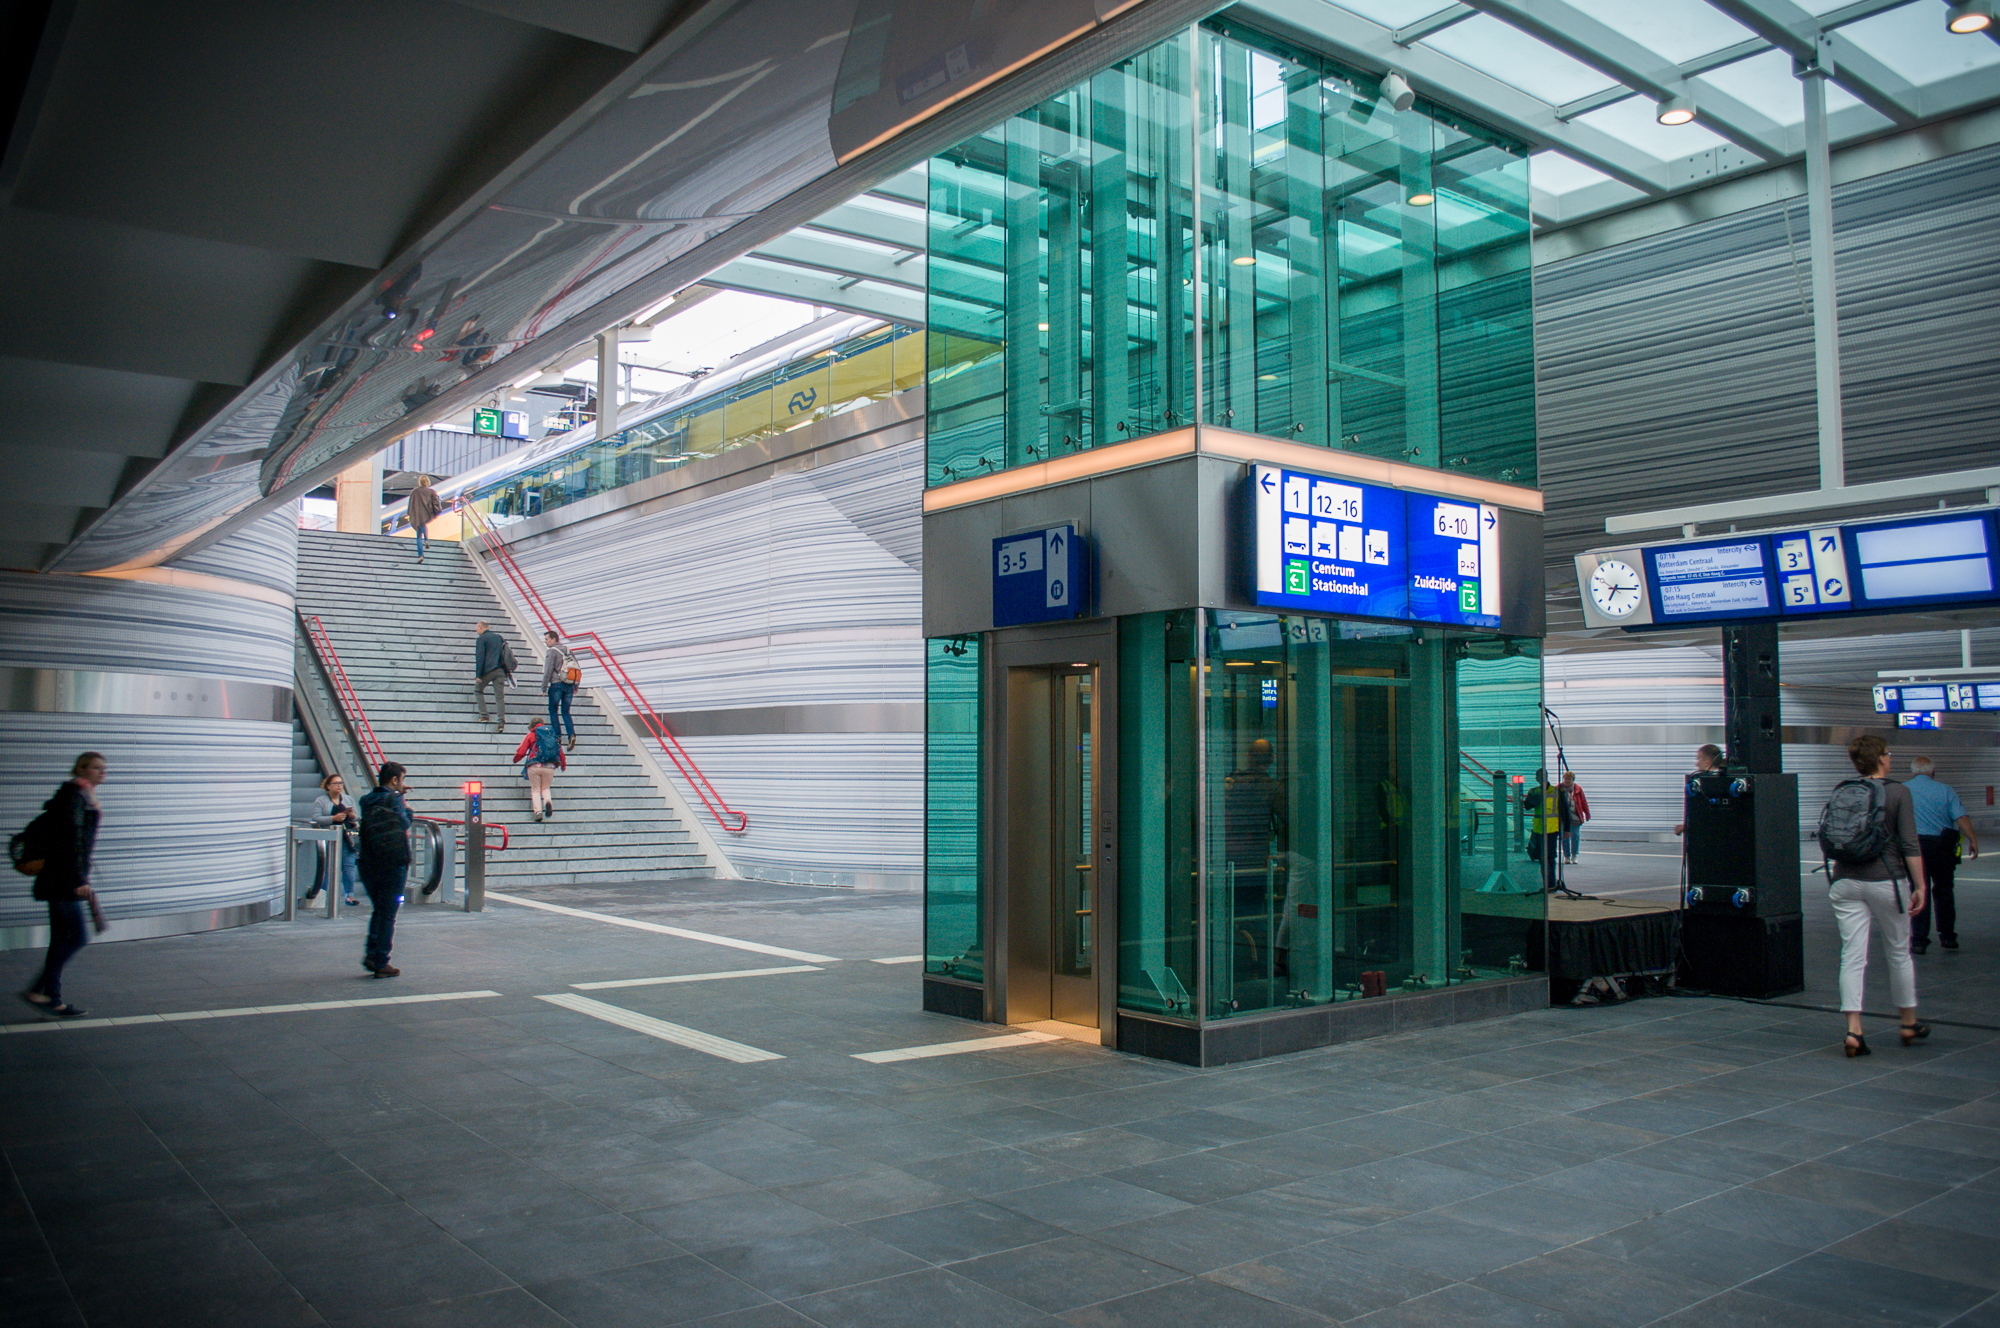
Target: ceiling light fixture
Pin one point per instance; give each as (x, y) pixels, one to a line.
(1676, 111)
(1396, 90)
(1968, 16)
(1422, 198)
(1247, 260)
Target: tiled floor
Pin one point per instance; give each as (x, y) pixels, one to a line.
(499, 1160)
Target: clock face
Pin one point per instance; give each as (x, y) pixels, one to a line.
(1615, 588)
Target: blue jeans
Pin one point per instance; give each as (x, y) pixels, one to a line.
(559, 699)
(69, 931)
(347, 871)
(385, 896)
(420, 540)
(1569, 841)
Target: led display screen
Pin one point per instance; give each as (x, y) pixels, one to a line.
(1724, 579)
(1938, 560)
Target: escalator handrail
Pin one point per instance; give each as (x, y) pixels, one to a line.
(343, 691)
(500, 847)
(727, 817)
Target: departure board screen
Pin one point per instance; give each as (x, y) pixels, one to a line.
(1933, 561)
(1973, 695)
(1711, 581)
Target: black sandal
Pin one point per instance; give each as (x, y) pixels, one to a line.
(1913, 1033)
(1856, 1045)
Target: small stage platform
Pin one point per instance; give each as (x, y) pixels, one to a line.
(1588, 938)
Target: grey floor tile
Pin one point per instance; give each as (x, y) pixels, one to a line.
(964, 1230)
(665, 1291)
(1103, 1149)
(879, 1193)
(1450, 1246)
(923, 1299)
(1195, 1301)
(510, 1308)
(1195, 1240)
(1199, 1177)
(1912, 1160)
(1543, 1215)
(664, 1182)
(1868, 1191)
(1675, 1246)
(1064, 1274)
(1395, 1187)
(990, 1171)
(786, 1267)
(1580, 1282)
(1749, 1211)
(731, 1219)
(1968, 1256)
(540, 1251)
(1330, 1279)
(1463, 1303)
(1869, 1291)
(1087, 1203)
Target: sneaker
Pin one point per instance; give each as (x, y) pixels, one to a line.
(388, 971)
(350, 901)
(538, 816)
(65, 1011)
(1949, 943)
(549, 812)
(1919, 947)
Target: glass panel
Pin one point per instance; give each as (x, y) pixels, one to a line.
(1156, 814)
(1073, 954)
(954, 945)
(1498, 722)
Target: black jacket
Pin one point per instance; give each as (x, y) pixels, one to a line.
(489, 652)
(68, 862)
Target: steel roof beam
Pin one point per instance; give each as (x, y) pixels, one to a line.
(1797, 33)
(1447, 82)
(761, 277)
(799, 249)
(1438, 22)
(1612, 53)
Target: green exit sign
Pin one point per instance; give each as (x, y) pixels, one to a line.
(486, 421)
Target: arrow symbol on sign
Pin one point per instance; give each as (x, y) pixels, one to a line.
(1055, 542)
(1266, 481)
(1489, 520)
(1826, 543)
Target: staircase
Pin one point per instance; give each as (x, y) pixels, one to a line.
(403, 630)
(305, 773)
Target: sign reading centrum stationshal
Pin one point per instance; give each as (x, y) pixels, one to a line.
(1330, 545)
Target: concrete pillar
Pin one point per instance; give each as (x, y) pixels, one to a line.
(358, 492)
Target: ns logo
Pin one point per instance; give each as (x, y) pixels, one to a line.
(804, 400)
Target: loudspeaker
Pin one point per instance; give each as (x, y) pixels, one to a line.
(1742, 844)
(1750, 705)
(1743, 956)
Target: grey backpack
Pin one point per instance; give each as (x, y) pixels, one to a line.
(1854, 824)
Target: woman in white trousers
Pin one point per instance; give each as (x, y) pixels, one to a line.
(1869, 896)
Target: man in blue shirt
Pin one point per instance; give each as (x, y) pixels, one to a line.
(1941, 826)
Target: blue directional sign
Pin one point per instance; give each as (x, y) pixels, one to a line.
(1981, 695)
(1917, 719)
(1454, 561)
(1812, 571)
(1331, 545)
(1038, 576)
(1897, 698)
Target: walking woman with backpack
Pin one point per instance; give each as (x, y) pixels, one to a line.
(60, 843)
(1868, 832)
(542, 749)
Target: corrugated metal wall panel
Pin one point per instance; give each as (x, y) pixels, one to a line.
(799, 591)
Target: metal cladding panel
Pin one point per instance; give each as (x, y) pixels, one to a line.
(264, 554)
(1679, 368)
(194, 811)
(77, 622)
(792, 595)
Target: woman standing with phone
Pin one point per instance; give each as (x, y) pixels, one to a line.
(332, 809)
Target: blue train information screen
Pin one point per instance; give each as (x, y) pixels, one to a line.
(1726, 579)
(1340, 546)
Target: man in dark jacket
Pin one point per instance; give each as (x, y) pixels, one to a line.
(383, 862)
(64, 880)
(423, 509)
(492, 666)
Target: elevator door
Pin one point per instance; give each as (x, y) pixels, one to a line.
(1052, 794)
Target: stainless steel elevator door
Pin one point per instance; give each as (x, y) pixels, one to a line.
(1052, 795)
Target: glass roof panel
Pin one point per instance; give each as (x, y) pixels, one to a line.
(1553, 173)
(1515, 58)
(1632, 120)
(1393, 13)
(1913, 42)
(1680, 30)
(1766, 85)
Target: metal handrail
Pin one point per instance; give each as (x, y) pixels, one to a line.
(343, 691)
(500, 847)
(725, 816)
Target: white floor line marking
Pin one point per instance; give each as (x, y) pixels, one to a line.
(902, 959)
(754, 947)
(696, 977)
(180, 1016)
(692, 1038)
(953, 1048)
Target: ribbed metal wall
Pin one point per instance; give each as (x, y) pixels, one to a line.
(196, 805)
(783, 619)
(1678, 369)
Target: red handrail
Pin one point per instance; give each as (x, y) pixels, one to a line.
(343, 692)
(725, 816)
(500, 847)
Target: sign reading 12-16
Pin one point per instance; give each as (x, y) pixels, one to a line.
(1340, 546)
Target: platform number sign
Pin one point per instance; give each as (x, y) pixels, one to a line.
(1038, 576)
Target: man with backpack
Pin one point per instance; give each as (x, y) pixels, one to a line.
(560, 674)
(492, 666)
(383, 861)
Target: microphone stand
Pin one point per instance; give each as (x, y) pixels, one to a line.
(1553, 843)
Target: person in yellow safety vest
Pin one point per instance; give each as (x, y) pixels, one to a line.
(1544, 825)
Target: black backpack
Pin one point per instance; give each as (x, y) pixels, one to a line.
(1854, 824)
(28, 850)
(385, 840)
